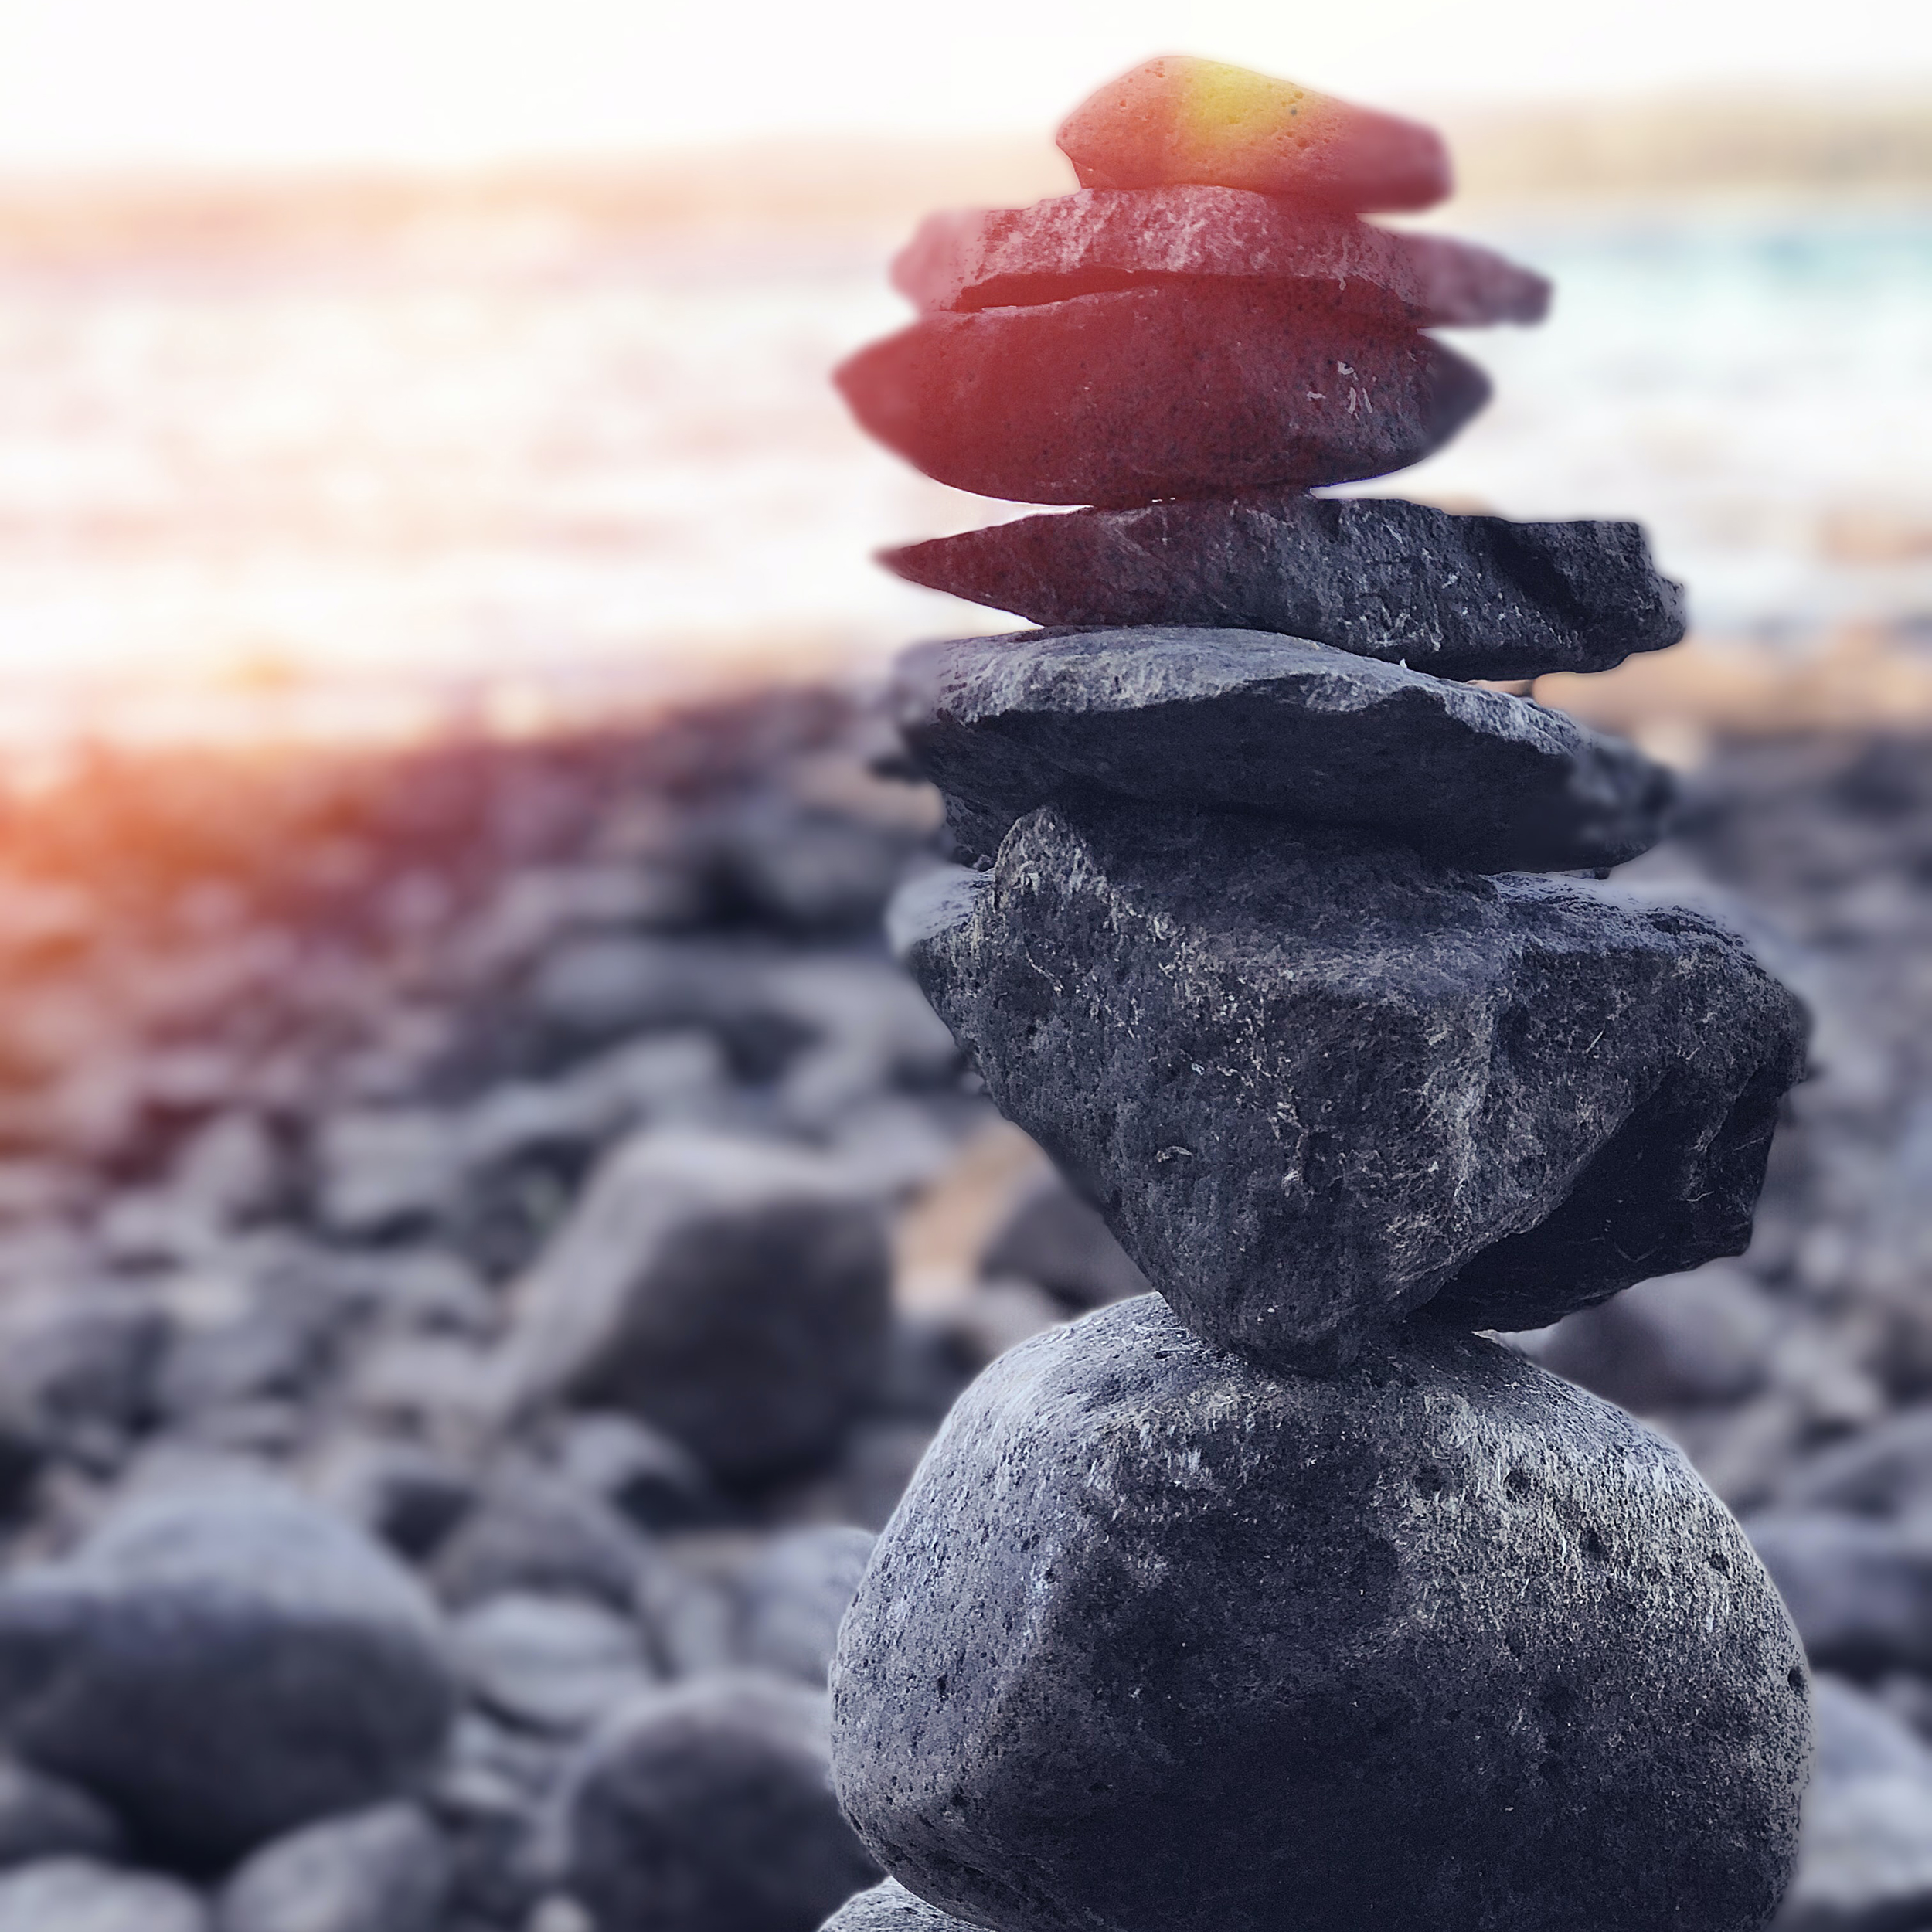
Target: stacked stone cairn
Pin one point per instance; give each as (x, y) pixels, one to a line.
(1290, 1596)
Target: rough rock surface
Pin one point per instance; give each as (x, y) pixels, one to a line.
(1080, 244)
(709, 1808)
(1569, 1093)
(220, 1667)
(1462, 596)
(1159, 1642)
(1179, 118)
(734, 1293)
(386, 1870)
(1167, 390)
(1253, 721)
(75, 1895)
(890, 1907)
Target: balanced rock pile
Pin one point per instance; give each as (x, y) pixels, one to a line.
(1286, 1596)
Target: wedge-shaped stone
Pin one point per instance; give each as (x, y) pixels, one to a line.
(1253, 721)
(1167, 390)
(1101, 239)
(1158, 1642)
(1313, 1082)
(1462, 596)
(1180, 118)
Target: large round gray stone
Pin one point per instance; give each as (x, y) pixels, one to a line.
(1160, 1643)
(222, 1667)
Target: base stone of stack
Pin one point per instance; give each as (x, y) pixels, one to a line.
(891, 1908)
(1459, 595)
(1159, 1642)
(1250, 721)
(1312, 1081)
(1166, 390)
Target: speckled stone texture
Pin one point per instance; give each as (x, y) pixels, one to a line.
(1253, 721)
(1462, 596)
(1167, 390)
(1100, 239)
(1158, 1642)
(890, 1907)
(1313, 1082)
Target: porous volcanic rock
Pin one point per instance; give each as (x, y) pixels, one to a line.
(1169, 389)
(223, 1665)
(1252, 721)
(1100, 239)
(1159, 1642)
(1179, 118)
(1312, 1081)
(1462, 596)
(890, 1907)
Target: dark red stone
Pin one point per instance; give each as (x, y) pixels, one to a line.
(1177, 389)
(1101, 239)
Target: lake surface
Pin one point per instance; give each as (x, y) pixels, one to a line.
(492, 467)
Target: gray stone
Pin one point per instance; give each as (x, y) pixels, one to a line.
(1100, 239)
(1173, 388)
(1884, 1471)
(529, 1531)
(1248, 721)
(1860, 1591)
(890, 1907)
(1052, 1238)
(551, 1664)
(1462, 596)
(1679, 1341)
(77, 1368)
(650, 1478)
(75, 1895)
(709, 1808)
(1161, 1643)
(733, 1292)
(1567, 1094)
(794, 1595)
(221, 1667)
(1865, 1856)
(386, 1870)
(45, 1817)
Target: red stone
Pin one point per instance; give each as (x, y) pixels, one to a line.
(1102, 238)
(1180, 119)
(1175, 389)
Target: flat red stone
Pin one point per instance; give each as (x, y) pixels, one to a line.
(1175, 389)
(1117, 238)
(1180, 119)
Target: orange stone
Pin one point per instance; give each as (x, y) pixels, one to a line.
(1178, 119)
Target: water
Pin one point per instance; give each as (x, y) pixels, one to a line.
(510, 465)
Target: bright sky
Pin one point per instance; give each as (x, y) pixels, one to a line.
(107, 82)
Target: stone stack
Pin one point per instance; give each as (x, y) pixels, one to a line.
(1287, 1597)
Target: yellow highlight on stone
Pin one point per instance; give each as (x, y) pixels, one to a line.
(1178, 119)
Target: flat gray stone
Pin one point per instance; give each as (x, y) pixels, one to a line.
(1159, 1642)
(1169, 389)
(549, 1663)
(1462, 596)
(1567, 1093)
(1250, 721)
(1099, 239)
